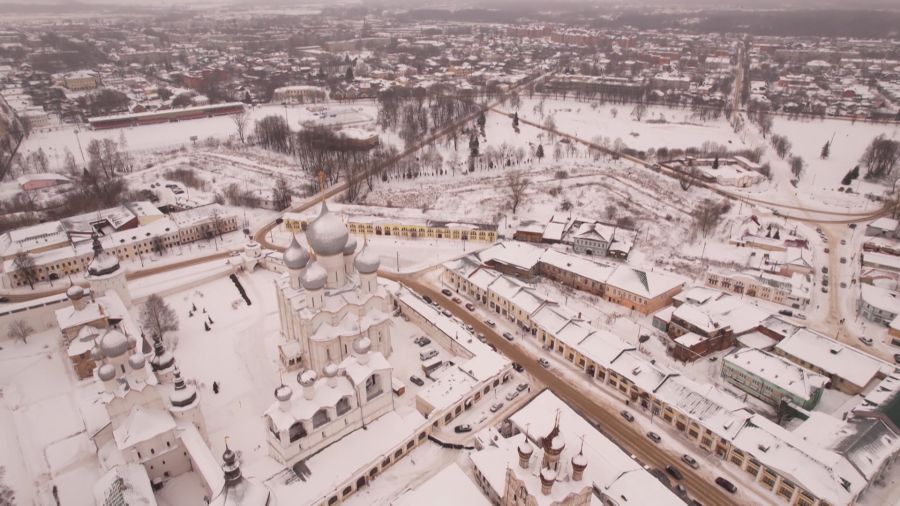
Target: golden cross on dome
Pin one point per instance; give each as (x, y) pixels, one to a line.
(322, 184)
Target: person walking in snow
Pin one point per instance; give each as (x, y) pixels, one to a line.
(215, 387)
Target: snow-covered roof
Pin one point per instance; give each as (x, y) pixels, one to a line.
(778, 371)
(643, 283)
(518, 254)
(833, 357)
(204, 462)
(880, 298)
(451, 387)
(886, 224)
(826, 474)
(142, 424)
(449, 487)
(334, 465)
(125, 484)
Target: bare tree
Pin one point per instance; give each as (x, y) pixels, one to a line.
(688, 176)
(881, 157)
(157, 317)
(707, 215)
(25, 265)
(517, 184)
(639, 111)
(241, 120)
(19, 330)
(797, 165)
(764, 120)
(281, 195)
(781, 144)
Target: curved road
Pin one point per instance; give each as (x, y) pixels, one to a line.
(849, 217)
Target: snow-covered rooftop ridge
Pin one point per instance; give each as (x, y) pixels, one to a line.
(449, 487)
(778, 371)
(834, 357)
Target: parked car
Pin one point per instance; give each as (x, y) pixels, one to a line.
(690, 461)
(456, 300)
(482, 338)
(843, 242)
(897, 358)
(827, 251)
(824, 289)
(518, 367)
(427, 354)
(447, 292)
(459, 429)
(447, 313)
(627, 416)
(426, 299)
(866, 340)
(469, 327)
(490, 324)
(422, 341)
(496, 407)
(680, 490)
(852, 225)
(661, 476)
(843, 284)
(800, 316)
(843, 260)
(512, 395)
(654, 437)
(508, 336)
(674, 472)
(727, 485)
(522, 386)
(470, 306)
(786, 312)
(824, 270)
(544, 363)
(416, 380)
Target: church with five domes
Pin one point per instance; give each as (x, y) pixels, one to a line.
(331, 297)
(336, 328)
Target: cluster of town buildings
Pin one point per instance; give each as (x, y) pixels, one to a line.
(825, 459)
(856, 78)
(61, 249)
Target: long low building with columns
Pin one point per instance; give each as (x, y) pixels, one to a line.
(798, 470)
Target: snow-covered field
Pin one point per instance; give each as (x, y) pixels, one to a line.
(848, 142)
(589, 119)
(172, 135)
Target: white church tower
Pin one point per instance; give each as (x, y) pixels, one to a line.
(105, 274)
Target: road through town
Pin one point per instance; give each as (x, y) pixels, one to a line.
(609, 422)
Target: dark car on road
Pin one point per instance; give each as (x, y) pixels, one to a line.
(446, 292)
(727, 485)
(674, 472)
(462, 428)
(417, 380)
(654, 437)
(518, 367)
(627, 416)
(426, 299)
(470, 306)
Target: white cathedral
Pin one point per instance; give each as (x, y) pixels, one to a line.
(335, 321)
(330, 299)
